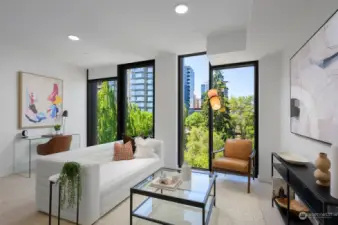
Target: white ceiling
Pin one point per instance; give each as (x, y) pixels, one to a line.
(116, 31)
(277, 24)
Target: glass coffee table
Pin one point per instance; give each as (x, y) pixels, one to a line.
(191, 203)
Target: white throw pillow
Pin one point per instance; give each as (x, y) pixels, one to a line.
(144, 148)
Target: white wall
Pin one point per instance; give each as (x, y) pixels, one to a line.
(103, 72)
(166, 105)
(226, 42)
(270, 68)
(291, 142)
(14, 151)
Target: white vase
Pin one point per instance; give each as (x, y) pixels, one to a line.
(57, 132)
(186, 172)
(334, 171)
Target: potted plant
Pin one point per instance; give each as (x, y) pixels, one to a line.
(70, 183)
(57, 128)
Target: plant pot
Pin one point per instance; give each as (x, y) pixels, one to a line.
(57, 132)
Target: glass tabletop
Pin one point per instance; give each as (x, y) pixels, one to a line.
(197, 189)
(47, 136)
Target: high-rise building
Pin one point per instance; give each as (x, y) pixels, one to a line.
(140, 87)
(204, 88)
(197, 102)
(194, 102)
(189, 86)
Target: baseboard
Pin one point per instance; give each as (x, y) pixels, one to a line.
(265, 180)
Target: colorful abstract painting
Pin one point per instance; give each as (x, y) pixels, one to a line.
(40, 100)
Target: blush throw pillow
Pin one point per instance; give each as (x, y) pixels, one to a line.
(144, 149)
(123, 151)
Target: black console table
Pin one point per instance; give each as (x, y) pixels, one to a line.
(322, 206)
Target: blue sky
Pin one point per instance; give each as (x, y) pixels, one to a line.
(241, 80)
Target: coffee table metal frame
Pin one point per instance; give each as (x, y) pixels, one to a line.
(150, 194)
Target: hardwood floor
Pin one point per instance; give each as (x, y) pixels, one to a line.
(234, 205)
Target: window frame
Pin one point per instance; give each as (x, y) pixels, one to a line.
(180, 152)
(180, 128)
(122, 94)
(91, 105)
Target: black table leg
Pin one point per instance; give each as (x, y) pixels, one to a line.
(59, 205)
(131, 209)
(50, 203)
(203, 216)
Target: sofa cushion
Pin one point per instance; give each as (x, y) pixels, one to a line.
(123, 151)
(115, 173)
(231, 164)
(145, 148)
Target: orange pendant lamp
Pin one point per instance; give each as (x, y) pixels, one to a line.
(214, 100)
(212, 93)
(215, 103)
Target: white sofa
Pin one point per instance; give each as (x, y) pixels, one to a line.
(105, 183)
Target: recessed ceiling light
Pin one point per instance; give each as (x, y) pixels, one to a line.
(181, 9)
(73, 38)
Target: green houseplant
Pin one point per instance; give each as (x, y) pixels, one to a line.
(70, 182)
(57, 128)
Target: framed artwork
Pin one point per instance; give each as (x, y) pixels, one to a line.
(40, 100)
(314, 85)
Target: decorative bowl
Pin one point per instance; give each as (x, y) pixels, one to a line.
(293, 158)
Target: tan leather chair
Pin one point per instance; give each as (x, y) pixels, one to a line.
(238, 158)
(55, 145)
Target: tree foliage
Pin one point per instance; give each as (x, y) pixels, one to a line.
(196, 119)
(106, 114)
(221, 119)
(197, 152)
(138, 122)
(242, 116)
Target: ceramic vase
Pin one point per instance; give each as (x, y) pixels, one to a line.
(322, 173)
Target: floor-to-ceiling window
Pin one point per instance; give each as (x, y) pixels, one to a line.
(102, 116)
(202, 130)
(237, 117)
(122, 105)
(140, 101)
(194, 110)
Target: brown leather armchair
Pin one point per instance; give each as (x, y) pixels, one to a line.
(55, 145)
(238, 158)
